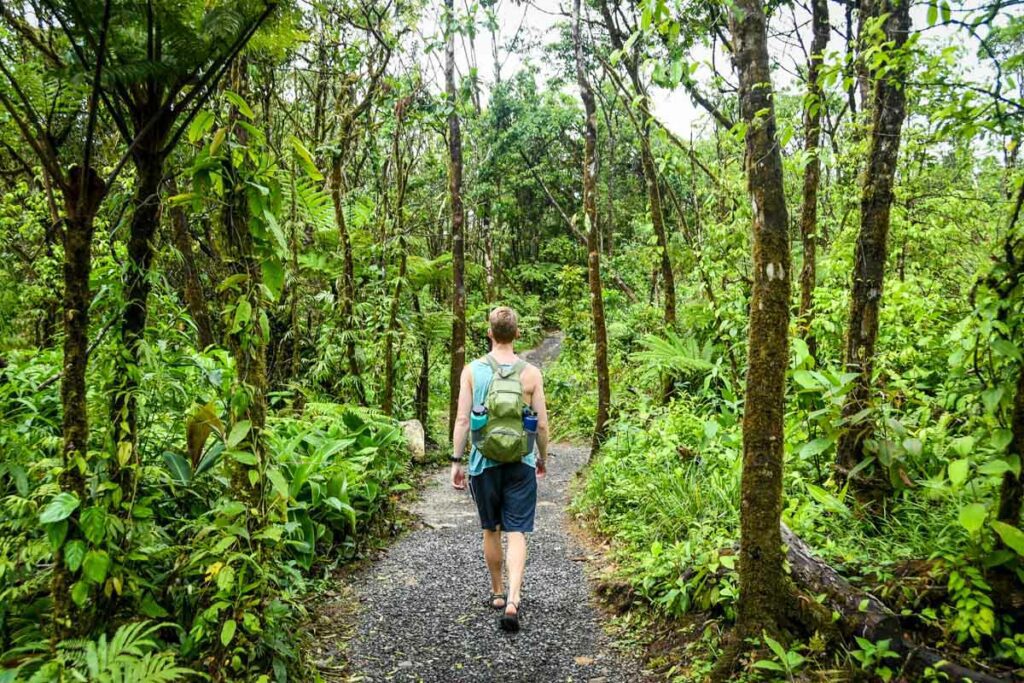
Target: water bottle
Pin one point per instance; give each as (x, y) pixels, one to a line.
(477, 422)
(530, 426)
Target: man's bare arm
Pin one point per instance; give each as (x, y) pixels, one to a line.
(540, 406)
(461, 432)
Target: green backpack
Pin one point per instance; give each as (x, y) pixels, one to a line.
(503, 438)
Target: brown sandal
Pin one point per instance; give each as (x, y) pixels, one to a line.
(494, 598)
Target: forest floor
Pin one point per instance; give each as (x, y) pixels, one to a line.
(419, 612)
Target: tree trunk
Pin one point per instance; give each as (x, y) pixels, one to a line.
(650, 169)
(149, 168)
(388, 403)
(813, 105)
(866, 10)
(488, 252)
(458, 344)
(658, 221)
(422, 400)
(888, 113)
(1011, 494)
(593, 242)
(761, 576)
(348, 278)
(80, 210)
(194, 296)
(247, 342)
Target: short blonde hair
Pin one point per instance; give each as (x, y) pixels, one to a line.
(504, 324)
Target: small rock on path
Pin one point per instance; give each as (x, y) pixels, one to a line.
(422, 608)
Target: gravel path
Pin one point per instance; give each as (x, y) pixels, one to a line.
(422, 613)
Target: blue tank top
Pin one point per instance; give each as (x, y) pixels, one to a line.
(482, 375)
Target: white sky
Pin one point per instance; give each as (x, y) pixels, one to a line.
(538, 19)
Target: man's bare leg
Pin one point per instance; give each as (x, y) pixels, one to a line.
(516, 566)
(492, 554)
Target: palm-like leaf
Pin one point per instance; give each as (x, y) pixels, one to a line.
(675, 355)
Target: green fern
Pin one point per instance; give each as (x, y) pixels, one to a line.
(130, 656)
(674, 355)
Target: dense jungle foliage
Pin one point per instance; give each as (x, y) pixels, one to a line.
(242, 239)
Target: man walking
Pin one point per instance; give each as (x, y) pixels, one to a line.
(502, 399)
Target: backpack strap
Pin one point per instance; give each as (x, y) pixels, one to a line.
(516, 370)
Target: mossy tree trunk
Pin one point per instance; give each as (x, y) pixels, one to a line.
(458, 342)
(593, 238)
(193, 293)
(148, 159)
(631, 60)
(888, 111)
(83, 193)
(1011, 492)
(348, 277)
(813, 105)
(763, 589)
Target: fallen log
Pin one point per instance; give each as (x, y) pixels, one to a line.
(865, 616)
(920, 659)
(862, 614)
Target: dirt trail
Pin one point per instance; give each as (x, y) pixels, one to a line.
(421, 612)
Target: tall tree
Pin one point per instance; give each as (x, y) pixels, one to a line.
(458, 343)
(593, 238)
(350, 105)
(888, 111)
(83, 191)
(631, 59)
(762, 579)
(813, 105)
(152, 106)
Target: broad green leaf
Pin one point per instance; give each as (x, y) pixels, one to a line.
(226, 579)
(1001, 438)
(95, 565)
(218, 140)
(243, 313)
(972, 517)
(827, 500)
(59, 508)
(178, 466)
(227, 632)
(958, 470)
(913, 446)
(244, 457)
(273, 277)
(812, 448)
(991, 399)
(74, 553)
(238, 432)
(56, 533)
(1006, 349)
(1011, 535)
(80, 593)
(278, 481)
(151, 608)
(200, 126)
(93, 521)
(805, 379)
(994, 468)
(241, 105)
(305, 158)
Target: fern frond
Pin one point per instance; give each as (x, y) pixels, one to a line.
(674, 355)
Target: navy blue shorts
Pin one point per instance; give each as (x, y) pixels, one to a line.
(506, 495)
